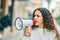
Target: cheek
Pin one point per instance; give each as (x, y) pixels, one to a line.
(40, 20)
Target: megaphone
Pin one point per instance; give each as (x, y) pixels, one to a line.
(20, 23)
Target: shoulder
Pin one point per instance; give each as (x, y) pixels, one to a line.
(51, 34)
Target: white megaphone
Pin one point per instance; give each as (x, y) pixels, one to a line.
(20, 23)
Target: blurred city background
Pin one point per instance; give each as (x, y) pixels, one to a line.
(11, 9)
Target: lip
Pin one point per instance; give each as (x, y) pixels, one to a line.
(34, 22)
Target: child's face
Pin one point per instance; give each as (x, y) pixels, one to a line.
(27, 31)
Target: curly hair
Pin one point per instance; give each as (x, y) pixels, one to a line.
(48, 21)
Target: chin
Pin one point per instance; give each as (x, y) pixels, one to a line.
(27, 34)
(36, 24)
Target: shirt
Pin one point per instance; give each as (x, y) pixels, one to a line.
(40, 34)
(26, 38)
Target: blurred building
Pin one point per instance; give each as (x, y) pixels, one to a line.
(56, 11)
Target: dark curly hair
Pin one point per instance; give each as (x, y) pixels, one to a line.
(48, 21)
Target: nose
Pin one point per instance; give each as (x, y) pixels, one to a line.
(35, 17)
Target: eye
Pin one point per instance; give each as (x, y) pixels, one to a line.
(38, 15)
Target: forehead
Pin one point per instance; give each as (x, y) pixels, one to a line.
(37, 12)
